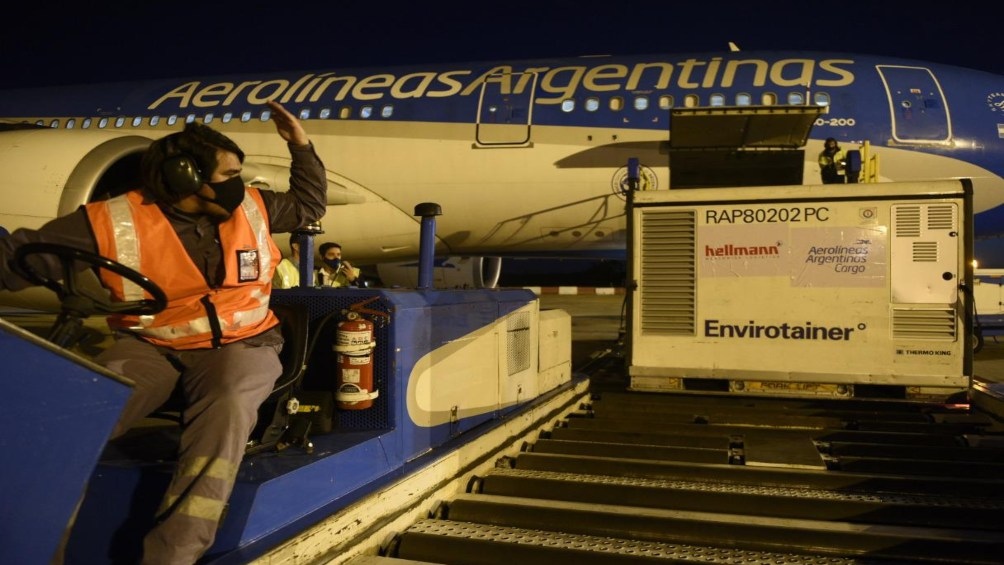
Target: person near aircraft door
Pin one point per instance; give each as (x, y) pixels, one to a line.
(287, 272)
(831, 162)
(335, 271)
(203, 236)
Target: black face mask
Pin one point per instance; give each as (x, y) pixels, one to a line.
(333, 263)
(229, 193)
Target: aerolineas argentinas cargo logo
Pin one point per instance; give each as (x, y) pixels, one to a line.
(784, 330)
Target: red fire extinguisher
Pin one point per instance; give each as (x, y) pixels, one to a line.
(354, 344)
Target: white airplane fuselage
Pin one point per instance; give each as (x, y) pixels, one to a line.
(525, 158)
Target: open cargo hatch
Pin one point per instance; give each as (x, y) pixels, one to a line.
(739, 145)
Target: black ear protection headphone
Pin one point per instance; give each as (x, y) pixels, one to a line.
(182, 175)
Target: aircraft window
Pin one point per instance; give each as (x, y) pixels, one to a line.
(325, 113)
(40, 123)
(616, 103)
(796, 98)
(592, 104)
(137, 121)
(265, 115)
(567, 105)
(743, 99)
(172, 119)
(387, 111)
(85, 124)
(345, 113)
(717, 100)
(54, 124)
(641, 102)
(366, 112)
(208, 118)
(70, 123)
(245, 116)
(154, 120)
(665, 102)
(189, 118)
(768, 99)
(305, 114)
(691, 101)
(119, 121)
(821, 99)
(227, 116)
(103, 123)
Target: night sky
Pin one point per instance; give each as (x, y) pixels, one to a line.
(88, 42)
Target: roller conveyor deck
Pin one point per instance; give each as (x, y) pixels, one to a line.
(638, 478)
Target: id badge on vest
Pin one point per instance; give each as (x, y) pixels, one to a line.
(248, 268)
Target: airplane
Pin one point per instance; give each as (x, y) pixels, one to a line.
(526, 158)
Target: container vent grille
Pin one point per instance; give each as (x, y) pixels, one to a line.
(668, 272)
(933, 323)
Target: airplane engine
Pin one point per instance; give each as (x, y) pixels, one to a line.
(49, 173)
(448, 273)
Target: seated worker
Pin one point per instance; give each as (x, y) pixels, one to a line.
(334, 271)
(287, 272)
(202, 235)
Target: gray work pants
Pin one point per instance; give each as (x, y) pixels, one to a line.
(224, 389)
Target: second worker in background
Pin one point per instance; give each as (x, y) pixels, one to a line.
(335, 271)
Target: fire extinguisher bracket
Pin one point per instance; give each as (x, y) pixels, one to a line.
(349, 392)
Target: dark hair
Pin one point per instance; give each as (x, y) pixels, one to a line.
(295, 239)
(326, 246)
(197, 141)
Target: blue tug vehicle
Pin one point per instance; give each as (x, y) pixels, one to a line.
(379, 386)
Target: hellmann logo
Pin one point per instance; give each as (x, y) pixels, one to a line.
(729, 250)
(753, 330)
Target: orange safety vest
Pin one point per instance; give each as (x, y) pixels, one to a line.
(139, 235)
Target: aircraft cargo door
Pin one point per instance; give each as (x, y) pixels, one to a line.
(918, 111)
(739, 145)
(505, 109)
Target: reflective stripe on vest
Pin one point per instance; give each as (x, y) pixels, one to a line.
(126, 244)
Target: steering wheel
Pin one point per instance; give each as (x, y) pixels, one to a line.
(72, 295)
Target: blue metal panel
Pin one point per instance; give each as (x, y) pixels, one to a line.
(367, 448)
(57, 411)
